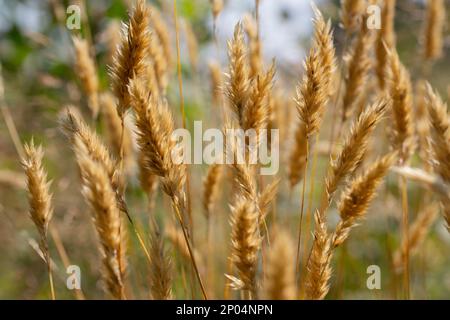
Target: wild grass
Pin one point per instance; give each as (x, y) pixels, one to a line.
(252, 240)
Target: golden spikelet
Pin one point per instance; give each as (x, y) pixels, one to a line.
(82, 136)
(255, 55)
(216, 83)
(422, 123)
(237, 89)
(192, 44)
(149, 181)
(385, 38)
(417, 234)
(318, 268)
(280, 275)
(297, 159)
(114, 130)
(433, 30)
(162, 32)
(86, 71)
(323, 44)
(159, 63)
(245, 242)
(358, 64)
(175, 236)
(440, 133)
(160, 268)
(211, 188)
(358, 196)
(352, 14)
(402, 135)
(155, 126)
(256, 114)
(311, 96)
(39, 195)
(102, 199)
(39, 198)
(355, 146)
(130, 57)
(113, 39)
(266, 198)
(216, 7)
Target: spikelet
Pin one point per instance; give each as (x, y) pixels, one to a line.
(318, 268)
(40, 198)
(160, 268)
(297, 159)
(149, 182)
(151, 80)
(101, 197)
(433, 29)
(417, 234)
(113, 39)
(86, 71)
(358, 196)
(155, 126)
(402, 135)
(440, 133)
(216, 8)
(385, 38)
(351, 14)
(162, 32)
(422, 123)
(323, 42)
(82, 136)
(159, 63)
(255, 55)
(130, 58)
(358, 64)
(216, 83)
(237, 88)
(245, 242)
(114, 130)
(311, 96)
(355, 146)
(192, 44)
(280, 275)
(175, 236)
(266, 198)
(256, 114)
(211, 188)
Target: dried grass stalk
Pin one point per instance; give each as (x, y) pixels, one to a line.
(86, 71)
(101, 197)
(354, 147)
(352, 14)
(114, 131)
(255, 46)
(358, 63)
(246, 242)
(160, 269)
(433, 30)
(40, 200)
(358, 196)
(385, 38)
(130, 58)
(238, 84)
(280, 275)
(417, 234)
(211, 188)
(256, 114)
(402, 135)
(318, 268)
